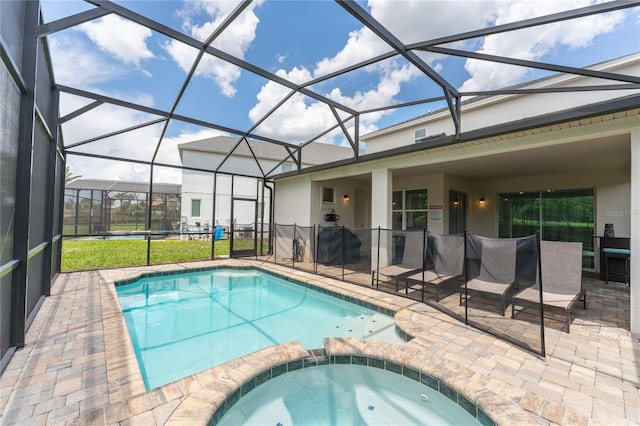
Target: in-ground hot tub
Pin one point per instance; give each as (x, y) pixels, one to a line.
(351, 394)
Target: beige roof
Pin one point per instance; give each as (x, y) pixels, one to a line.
(314, 153)
(123, 186)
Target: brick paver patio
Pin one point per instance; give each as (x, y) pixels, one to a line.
(78, 366)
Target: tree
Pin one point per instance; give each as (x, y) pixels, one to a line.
(69, 176)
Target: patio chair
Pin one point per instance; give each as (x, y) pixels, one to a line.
(561, 272)
(497, 270)
(412, 259)
(448, 263)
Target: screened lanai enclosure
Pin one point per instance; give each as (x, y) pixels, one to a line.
(114, 90)
(107, 208)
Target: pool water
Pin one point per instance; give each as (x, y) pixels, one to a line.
(185, 323)
(345, 395)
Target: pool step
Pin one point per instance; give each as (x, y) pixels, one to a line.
(376, 326)
(382, 327)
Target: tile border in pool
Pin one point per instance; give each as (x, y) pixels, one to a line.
(319, 357)
(356, 301)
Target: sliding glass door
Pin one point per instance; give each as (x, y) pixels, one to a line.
(559, 215)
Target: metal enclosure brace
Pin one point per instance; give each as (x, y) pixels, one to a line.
(451, 95)
(23, 176)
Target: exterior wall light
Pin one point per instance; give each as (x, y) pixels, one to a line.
(346, 197)
(482, 201)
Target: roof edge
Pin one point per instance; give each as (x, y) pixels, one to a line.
(578, 113)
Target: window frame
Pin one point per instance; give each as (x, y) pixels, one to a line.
(542, 218)
(199, 201)
(333, 195)
(403, 210)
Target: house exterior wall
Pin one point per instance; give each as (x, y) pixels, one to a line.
(199, 185)
(234, 164)
(293, 200)
(611, 192)
(344, 209)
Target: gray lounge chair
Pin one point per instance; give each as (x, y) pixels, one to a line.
(497, 269)
(412, 259)
(561, 272)
(448, 263)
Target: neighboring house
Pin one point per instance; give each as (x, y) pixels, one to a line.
(514, 153)
(251, 199)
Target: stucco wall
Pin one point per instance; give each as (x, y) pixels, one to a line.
(200, 186)
(293, 201)
(234, 164)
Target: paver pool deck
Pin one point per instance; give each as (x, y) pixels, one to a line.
(79, 367)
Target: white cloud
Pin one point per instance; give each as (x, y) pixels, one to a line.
(389, 85)
(70, 54)
(168, 153)
(105, 119)
(235, 40)
(301, 118)
(138, 145)
(361, 45)
(414, 21)
(422, 20)
(533, 43)
(295, 121)
(223, 73)
(125, 40)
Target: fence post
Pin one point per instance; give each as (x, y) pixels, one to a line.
(275, 240)
(315, 249)
(466, 279)
(377, 272)
(424, 260)
(342, 252)
(293, 247)
(542, 344)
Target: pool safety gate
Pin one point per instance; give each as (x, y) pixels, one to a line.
(475, 279)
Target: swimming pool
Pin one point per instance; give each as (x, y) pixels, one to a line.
(346, 395)
(184, 323)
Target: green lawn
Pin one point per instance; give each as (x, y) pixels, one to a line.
(97, 254)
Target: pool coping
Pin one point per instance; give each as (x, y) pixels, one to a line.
(196, 398)
(315, 357)
(319, 357)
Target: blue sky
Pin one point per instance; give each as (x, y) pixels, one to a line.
(299, 41)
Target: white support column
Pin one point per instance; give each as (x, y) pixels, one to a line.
(381, 193)
(381, 198)
(635, 231)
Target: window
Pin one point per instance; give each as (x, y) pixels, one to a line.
(565, 215)
(195, 208)
(409, 209)
(419, 134)
(286, 167)
(328, 195)
(396, 210)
